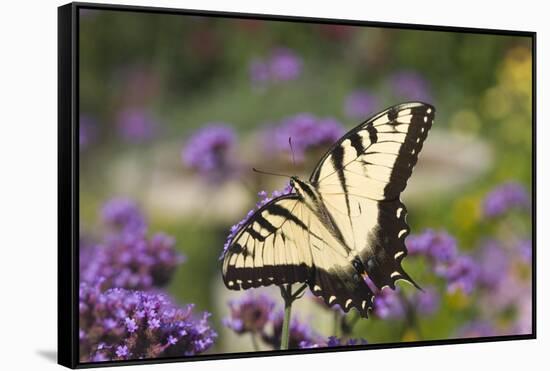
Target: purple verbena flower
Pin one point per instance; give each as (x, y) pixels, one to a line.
(439, 246)
(136, 125)
(264, 199)
(359, 104)
(494, 262)
(123, 214)
(388, 304)
(284, 65)
(462, 273)
(410, 85)
(122, 351)
(300, 332)
(130, 261)
(208, 151)
(176, 331)
(426, 302)
(505, 197)
(306, 132)
(250, 313)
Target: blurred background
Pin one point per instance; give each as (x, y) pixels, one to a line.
(176, 110)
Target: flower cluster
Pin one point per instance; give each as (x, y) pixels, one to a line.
(359, 104)
(257, 315)
(299, 332)
(264, 199)
(305, 131)
(440, 248)
(504, 198)
(207, 151)
(136, 125)
(131, 261)
(116, 321)
(395, 303)
(128, 258)
(497, 268)
(251, 313)
(120, 324)
(123, 214)
(282, 65)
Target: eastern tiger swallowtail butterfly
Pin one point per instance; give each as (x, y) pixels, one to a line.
(343, 231)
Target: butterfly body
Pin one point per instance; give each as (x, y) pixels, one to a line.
(343, 230)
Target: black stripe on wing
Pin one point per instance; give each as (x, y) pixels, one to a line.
(242, 269)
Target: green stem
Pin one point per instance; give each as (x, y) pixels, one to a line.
(285, 335)
(289, 298)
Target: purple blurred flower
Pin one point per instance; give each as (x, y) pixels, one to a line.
(393, 303)
(359, 104)
(410, 85)
(426, 302)
(123, 214)
(437, 245)
(505, 197)
(250, 313)
(462, 273)
(306, 132)
(476, 329)
(264, 199)
(136, 125)
(299, 332)
(282, 65)
(130, 261)
(259, 72)
(87, 131)
(493, 264)
(332, 341)
(388, 304)
(207, 150)
(177, 332)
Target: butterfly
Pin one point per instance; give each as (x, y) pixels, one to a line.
(342, 231)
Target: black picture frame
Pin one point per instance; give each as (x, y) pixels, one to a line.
(68, 181)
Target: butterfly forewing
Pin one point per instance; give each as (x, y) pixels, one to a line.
(361, 178)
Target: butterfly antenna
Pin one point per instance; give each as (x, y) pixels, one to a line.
(291, 151)
(269, 173)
